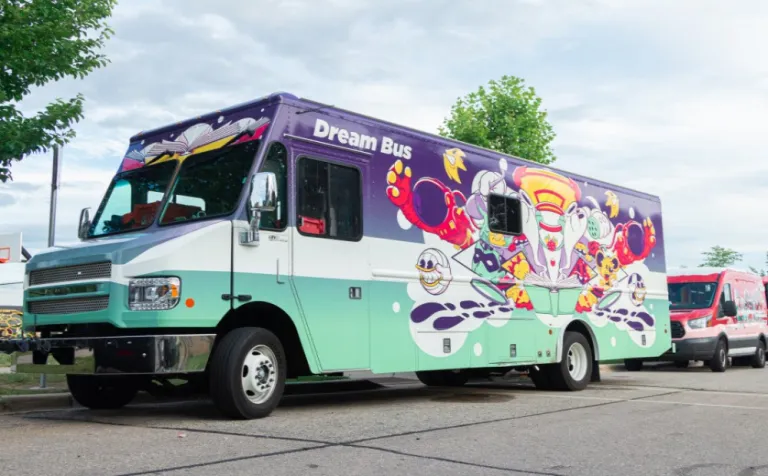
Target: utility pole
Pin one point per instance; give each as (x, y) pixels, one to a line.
(52, 214)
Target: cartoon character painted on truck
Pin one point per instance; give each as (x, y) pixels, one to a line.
(283, 238)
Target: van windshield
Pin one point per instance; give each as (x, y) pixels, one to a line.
(209, 184)
(132, 199)
(691, 295)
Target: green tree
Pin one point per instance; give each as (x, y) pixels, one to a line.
(717, 256)
(504, 116)
(43, 41)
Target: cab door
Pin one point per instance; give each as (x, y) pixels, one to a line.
(331, 270)
(262, 273)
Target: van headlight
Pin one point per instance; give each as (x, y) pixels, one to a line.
(153, 294)
(699, 323)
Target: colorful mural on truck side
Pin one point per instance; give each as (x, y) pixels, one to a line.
(576, 255)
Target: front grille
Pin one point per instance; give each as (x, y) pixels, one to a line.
(69, 306)
(70, 273)
(677, 330)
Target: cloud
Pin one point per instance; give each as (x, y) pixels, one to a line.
(665, 97)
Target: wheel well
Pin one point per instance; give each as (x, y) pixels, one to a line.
(579, 326)
(274, 319)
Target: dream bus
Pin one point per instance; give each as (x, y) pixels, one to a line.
(283, 238)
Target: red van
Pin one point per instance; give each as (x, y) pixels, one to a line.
(716, 313)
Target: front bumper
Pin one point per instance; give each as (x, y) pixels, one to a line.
(131, 355)
(699, 348)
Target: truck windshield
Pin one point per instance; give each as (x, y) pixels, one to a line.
(209, 184)
(132, 199)
(691, 295)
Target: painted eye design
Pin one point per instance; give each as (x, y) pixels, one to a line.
(430, 264)
(422, 264)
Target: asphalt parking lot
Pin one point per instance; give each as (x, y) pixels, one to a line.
(685, 422)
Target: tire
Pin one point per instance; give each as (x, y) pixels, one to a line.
(719, 361)
(102, 393)
(633, 365)
(682, 364)
(574, 371)
(443, 378)
(758, 359)
(247, 373)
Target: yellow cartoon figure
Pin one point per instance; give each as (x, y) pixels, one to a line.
(453, 160)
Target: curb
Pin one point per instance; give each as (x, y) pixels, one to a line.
(57, 401)
(25, 403)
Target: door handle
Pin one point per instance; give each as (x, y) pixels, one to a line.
(239, 297)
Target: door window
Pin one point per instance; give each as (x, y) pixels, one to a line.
(329, 200)
(277, 163)
(726, 295)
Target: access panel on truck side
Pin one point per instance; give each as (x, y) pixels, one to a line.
(330, 257)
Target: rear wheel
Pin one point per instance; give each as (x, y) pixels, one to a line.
(719, 360)
(443, 378)
(758, 360)
(102, 393)
(247, 373)
(574, 370)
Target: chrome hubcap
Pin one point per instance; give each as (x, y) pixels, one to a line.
(577, 361)
(259, 374)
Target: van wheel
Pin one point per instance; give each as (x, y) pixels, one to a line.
(719, 360)
(574, 370)
(633, 365)
(102, 393)
(247, 373)
(443, 378)
(758, 360)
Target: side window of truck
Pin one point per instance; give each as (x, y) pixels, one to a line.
(277, 163)
(726, 295)
(329, 200)
(504, 215)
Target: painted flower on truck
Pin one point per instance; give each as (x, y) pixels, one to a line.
(572, 256)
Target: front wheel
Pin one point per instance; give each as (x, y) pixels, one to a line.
(719, 360)
(758, 359)
(247, 373)
(102, 393)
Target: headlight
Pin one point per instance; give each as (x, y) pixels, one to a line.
(699, 323)
(153, 294)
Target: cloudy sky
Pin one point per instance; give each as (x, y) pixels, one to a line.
(667, 97)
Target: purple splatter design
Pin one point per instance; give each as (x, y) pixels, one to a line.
(647, 318)
(505, 309)
(638, 326)
(468, 304)
(450, 306)
(447, 322)
(615, 318)
(481, 314)
(424, 311)
(465, 314)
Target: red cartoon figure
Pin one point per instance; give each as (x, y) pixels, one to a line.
(633, 242)
(431, 206)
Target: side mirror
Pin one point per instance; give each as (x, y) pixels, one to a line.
(263, 192)
(84, 224)
(729, 309)
(263, 198)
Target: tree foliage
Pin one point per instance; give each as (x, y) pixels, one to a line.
(504, 116)
(43, 41)
(718, 256)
